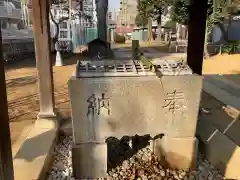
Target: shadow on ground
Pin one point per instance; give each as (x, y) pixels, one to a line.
(34, 147)
(22, 81)
(120, 150)
(126, 147)
(25, 63)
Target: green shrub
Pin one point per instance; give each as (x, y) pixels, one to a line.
(119, 38)
(231, 48)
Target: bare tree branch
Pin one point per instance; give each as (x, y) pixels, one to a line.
(55, 38)
(62, 19)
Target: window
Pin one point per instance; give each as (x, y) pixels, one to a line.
(3, 24)
(63, 25)
(63, 34)
(110, 15)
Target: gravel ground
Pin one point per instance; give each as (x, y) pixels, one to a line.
(142, 166)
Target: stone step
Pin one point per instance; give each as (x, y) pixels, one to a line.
(222, 95)
(225, 121)
(219, 149)
(224, 84)
(225, 115)
(218, 127)
(34, 157)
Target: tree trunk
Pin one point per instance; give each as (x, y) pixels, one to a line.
(159, 21)
(186, 32)
(55, 38)
(169, 42)
(149, 29)
(178, 31)
(206, 53)
(229, 25)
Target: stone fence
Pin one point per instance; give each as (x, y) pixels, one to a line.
(17, 49)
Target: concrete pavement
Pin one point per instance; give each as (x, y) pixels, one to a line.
(223, 89)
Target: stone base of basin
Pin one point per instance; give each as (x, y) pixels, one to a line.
(177, 153)
(91, 159)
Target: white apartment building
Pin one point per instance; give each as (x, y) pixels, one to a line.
(66, 27)
(94, 14)
(88, 7)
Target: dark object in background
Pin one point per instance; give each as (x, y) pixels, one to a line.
(135, 49)
(98, 47)
(119, 38)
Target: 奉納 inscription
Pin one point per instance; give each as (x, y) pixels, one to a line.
(103, 102)
(174, 101)
(92, 105)
(96, 104)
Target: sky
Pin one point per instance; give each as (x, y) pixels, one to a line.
(114, 4)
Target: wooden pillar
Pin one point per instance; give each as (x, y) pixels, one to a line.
(196, 35)
(40, 12)
(6, 164)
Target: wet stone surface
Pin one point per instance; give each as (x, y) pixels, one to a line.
(143, 165)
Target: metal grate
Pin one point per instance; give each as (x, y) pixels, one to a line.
(128, 68)
(173, 67)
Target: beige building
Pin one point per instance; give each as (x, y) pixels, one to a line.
(127, 13)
